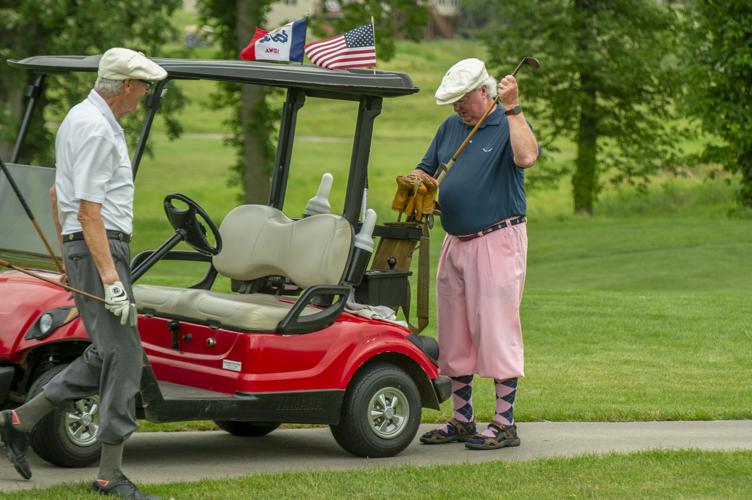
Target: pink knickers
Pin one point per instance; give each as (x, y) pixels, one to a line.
(479, 286)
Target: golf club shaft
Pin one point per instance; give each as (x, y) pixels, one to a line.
(7, 264)
(27, 209)
(514, 73)
(443, 171)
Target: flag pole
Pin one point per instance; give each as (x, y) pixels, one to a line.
(306, 36)
(373, 28)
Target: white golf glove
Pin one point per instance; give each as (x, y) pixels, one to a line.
(117, 301)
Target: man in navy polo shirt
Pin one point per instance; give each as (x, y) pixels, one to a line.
(481, 272)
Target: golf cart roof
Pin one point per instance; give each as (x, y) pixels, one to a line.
(303, 76)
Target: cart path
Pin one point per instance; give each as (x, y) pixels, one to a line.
(191, 456)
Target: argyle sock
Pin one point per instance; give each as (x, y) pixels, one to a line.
(462, 399)
(110, 462)
(506, 390)
(27, 415)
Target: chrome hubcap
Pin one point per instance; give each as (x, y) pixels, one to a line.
(388, 412)
(82, 424)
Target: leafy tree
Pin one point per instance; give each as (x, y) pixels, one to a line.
(720, 88)
(255, 119)
(70, 27)
(607, 82)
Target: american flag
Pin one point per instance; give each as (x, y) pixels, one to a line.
(354, 49)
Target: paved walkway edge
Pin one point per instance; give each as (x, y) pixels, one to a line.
(190, 456)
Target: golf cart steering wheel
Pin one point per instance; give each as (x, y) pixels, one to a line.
(191, 224)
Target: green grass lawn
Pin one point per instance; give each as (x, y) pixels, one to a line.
(658, 474)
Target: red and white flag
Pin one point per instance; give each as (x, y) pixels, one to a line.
(282, 44)
(354, 49)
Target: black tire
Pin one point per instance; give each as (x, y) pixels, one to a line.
(365, 435)
(51, 439)
(247, 429)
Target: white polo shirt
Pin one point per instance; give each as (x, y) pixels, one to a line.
(91, 157)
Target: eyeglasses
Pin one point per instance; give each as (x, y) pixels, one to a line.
(148, 84)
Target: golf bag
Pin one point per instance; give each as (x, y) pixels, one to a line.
(395, 253)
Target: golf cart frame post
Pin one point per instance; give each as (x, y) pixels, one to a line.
(33, 91)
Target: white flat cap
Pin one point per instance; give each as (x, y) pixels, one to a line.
(463, 77)
(126, 64)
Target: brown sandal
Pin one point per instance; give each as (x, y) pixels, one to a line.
(455, 431)
(506, 435)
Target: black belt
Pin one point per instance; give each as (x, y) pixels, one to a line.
(111, 234)
(492, 228)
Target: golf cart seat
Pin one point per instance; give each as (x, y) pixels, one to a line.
(259, 241)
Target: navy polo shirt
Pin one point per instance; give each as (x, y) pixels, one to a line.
(484, 186)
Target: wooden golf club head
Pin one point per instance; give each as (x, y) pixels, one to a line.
(529, 61)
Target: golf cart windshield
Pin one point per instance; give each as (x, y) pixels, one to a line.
(17, 236)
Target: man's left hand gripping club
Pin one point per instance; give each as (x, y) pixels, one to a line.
(118, 303)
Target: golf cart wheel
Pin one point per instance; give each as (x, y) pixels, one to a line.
(66, 439)
(380, 414)
(247, 429)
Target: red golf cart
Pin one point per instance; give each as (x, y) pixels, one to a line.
(284, 346)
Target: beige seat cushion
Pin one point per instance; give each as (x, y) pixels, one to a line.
(253, 312)
(260, 241)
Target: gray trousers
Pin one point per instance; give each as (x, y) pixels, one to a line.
(112, 365)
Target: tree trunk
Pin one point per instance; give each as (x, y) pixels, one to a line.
(585, 178)
(745, 190)
(256, 182)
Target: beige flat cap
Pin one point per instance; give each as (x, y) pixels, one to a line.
(463, 77)
(125, 64)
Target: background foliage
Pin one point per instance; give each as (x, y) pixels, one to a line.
(30, 27)
(719, 89)
(607, 82)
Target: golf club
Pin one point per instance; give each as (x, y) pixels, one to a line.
(444, 168)
(530, 61)
(132, 310)
(30, 215)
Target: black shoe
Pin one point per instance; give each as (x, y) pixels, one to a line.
(16, 444)
(121, 487)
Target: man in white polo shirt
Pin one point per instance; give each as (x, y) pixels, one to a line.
(93, 207)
